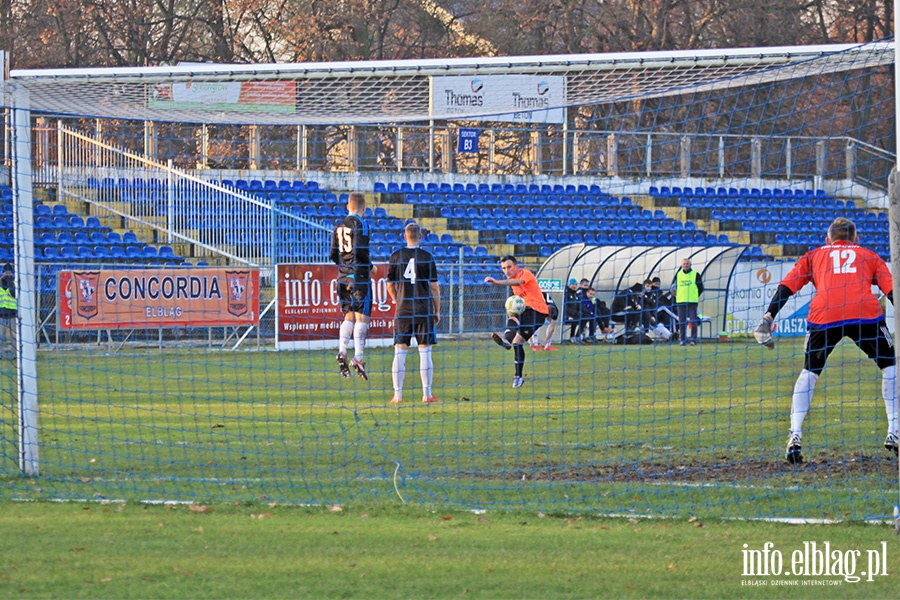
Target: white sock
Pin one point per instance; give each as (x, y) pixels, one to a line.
(398, 371)
(346, 333)
(535, 340)
(426, 368)
(359, 339)
(800, 401)
(889, 393)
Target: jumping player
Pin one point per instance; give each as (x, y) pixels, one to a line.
(350, 251)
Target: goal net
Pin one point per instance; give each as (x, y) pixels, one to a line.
(178, 319)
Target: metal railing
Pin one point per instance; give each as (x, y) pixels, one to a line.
(181, 207)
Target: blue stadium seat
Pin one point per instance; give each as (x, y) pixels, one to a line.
(167, 252)
(101, 253)
(50, 253)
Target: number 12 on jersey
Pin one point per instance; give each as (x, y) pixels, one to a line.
(842, 261)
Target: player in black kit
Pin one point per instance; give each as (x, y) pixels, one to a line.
(350, 251)
(413, 285)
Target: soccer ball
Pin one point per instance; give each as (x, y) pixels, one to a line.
(515, 305)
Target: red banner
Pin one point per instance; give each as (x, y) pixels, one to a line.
(153, 298)
(309, 311)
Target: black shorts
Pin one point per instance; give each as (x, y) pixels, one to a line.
(422, 328)
(872, 338)
(554, 312)
(355, 296)
(530, 321)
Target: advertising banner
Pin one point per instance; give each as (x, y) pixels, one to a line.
(153, 298)
(751, 289)
(309, 316)
(506, 98)
(244, 96)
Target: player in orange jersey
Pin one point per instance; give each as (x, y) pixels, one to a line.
(519, 329)
(843, 273)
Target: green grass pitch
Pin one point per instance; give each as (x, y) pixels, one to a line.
(659, 430)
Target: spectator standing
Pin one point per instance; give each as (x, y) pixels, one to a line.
(8, 309)
(689, 286)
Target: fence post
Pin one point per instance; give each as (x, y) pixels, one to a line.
(755, 158)
(302, 149)
(788, 159)
(255, 157)
(60, 159)
(536, 151)
(820, 164)
(431, 146)
(491, 153)
(204, 147)
(612, 156)
(170, 201)
(575, 153)
(850, 160)
(398, 153)
(150, 140)
(649, 153)
(446, 152)
(685, 156)
(721, 157)
(352, 150)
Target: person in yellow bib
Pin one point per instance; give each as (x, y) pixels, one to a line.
(688, 287)
(8, 309)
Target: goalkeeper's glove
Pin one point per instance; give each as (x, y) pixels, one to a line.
(763, 331)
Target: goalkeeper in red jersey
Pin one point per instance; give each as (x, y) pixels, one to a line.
(843, 273)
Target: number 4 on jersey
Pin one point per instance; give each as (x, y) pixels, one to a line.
(410, 272)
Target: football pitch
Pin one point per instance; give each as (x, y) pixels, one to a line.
(601, 429)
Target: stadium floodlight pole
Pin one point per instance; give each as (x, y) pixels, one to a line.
(26, 296)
